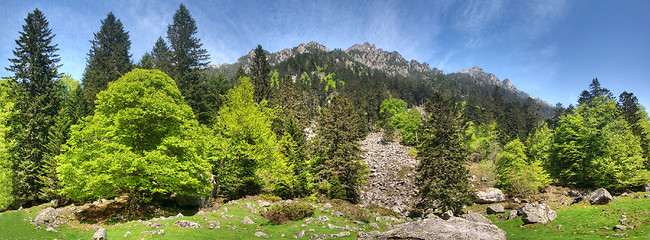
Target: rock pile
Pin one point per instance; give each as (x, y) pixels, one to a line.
(391, 183)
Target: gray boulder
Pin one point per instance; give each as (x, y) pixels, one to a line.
(490, 195)
(46, 216)
(512, 214)
(187, 224)
(436, 228)
(494, 209)
(100, 234)
(600, 196)
(475, 217)
(537, 213)
(247, 221)
(261, 235)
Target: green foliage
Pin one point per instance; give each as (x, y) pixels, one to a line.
(161, 56)
(442, 175)
(482, 141)
(352, 211)
(595, 147)
(282, 213)
(142, 141)
(146, 62)
(108, 58)
(338, 168)
(249, 158)
(36, 101)
(260, 70)
(6, 173)
(394, 115)
(521, 176)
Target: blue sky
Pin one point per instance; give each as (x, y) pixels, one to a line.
(550, 49)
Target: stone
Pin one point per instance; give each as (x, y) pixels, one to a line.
(46, 216)
(494, 209)
(127, 234)
(624, 194)
(299, 234)
(51, 229)
(516, 200)
(436, 228)
(537, 213)
(490, 195)
(620, 227)
(200, 213)
(446, 215)
(213, 224)
(158, 232)
(475, 217)
(619, 235)
(600, 196)
(325, 236)
(100, 233)
(327, 205)
(154, 225)
(367, 235)
(646, 195)
(321, 219)
(187, 224)
(578, 199)
(263, 203)
(247, 221)
(261, 235)
(374, 226)
(512, 214)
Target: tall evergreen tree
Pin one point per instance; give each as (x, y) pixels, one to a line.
(162, 56)
(442, 175)
(146, 62)
(108, 58)
(36, 93)
(260, 70)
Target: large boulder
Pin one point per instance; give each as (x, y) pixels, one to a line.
(537, 213)
(600, 196)
(490, 195)
(494, 209)
(437, 228)
(46, 216)
(476, 217)
(100, 234)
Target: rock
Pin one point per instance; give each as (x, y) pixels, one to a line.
(127, 234)
(51, 229)
(325, 236)
(368, 235)
(494, 209)
(263, 203)
(46, 216)
(159, 232)
(213, 224)
(646, 195)
(516, 200)
(454, 228)
(227, 217)
(100, 234)
(624, 194)
(327, 205)
(446, 215)
(321, 219)
(600, 196)
(187, 224)
(247, 221)
(261, 234)
(200, 213)
(646, 187)
(620, 227)
(475, 217)
(619, 235)
(574, 193)
(512, 214)
(490, 195)
(578, 199)
(299, 234)
(537, 213)
(150, 224)
(374, 226)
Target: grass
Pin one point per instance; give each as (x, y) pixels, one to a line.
(585, 221)
(16, 225)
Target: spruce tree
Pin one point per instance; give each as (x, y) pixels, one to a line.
(443, 177)
(108, 58)
(36, 95)
(161, 56)
(260, 70)
(146, 62)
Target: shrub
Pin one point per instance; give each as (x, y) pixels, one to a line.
(281, 213)
(352, 211)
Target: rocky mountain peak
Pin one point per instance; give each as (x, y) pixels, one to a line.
(391, 62)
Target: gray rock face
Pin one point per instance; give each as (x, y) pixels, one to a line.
(537, 213)
(100, 234)
(391, 182)
(391, 62)
(490, 195)
(476, 217)
(600, 196)
(186, 224)
(46, 216)
(436, 228)
(494, 209)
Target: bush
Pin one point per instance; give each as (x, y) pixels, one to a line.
(281, 213)
(352, 211)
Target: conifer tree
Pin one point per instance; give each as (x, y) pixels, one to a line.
(146, 62)
(36, 96)
(108, 58)
(161, 56)
(443, 177)
(260, 70)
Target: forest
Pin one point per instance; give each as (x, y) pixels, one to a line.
(168, 126)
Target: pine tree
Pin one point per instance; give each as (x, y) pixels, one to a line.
(338, 168)
(260, 70)
(108, 58)
(443, 177)
(161, 56)
(36, 95)
(146, 62)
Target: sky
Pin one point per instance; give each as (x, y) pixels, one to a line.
(549, 49)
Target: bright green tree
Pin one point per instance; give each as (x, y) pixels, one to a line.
(443, 177)
(393, 114)
(518, 174)
(338, 169)
(249, 158)
(6, 173)
(108, 58)
(142, 141)
(36, 95)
